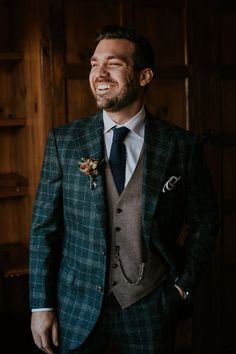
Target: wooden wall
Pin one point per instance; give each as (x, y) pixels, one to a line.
(45, 46)
(24, 111)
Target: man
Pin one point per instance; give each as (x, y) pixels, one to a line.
(115, 191)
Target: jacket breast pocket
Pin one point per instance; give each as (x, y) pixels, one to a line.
(172, 201)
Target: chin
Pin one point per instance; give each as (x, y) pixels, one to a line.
(107, 105)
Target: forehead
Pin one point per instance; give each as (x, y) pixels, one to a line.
(114, 47)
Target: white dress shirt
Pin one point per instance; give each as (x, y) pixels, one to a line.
(133, 141)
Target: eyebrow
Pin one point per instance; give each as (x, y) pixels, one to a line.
(120, 57)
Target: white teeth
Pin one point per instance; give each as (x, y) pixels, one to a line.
(103, 87)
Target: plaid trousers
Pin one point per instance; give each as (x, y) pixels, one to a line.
(146, 327)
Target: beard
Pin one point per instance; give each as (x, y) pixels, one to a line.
(115, 103)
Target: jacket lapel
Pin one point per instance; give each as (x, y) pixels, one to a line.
(91, 145)
(159, 145)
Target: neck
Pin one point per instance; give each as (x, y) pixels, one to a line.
(126, 113)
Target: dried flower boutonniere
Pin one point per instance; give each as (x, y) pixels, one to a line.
(92, 168)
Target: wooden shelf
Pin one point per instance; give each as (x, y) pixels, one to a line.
(13, 185)
(11, 56)
(12, 122)
(13, 260)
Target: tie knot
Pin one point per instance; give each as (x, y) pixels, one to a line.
(120, 133)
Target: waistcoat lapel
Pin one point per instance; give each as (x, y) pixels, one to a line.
(91, 145)
(158, 149)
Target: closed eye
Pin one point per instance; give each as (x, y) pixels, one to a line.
(115, 63)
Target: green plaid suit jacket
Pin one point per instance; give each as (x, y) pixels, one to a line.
(69, 228)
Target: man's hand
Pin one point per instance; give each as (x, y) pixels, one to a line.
(44, 329)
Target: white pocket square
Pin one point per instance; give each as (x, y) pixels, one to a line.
(170, 184)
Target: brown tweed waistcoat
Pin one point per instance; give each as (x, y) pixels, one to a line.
(133, 270)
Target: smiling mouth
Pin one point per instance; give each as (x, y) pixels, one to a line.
(103, 88)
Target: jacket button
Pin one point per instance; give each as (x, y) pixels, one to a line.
(114, 265)
(113, 283)
(118, 210)
(99, 289)
(117, 228)
(103, 252)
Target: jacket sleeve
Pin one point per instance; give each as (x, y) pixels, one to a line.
(46, 230)
(201, 219)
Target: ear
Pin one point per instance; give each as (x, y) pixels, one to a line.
(145, 76)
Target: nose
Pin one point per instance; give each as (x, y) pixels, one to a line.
(102, 71)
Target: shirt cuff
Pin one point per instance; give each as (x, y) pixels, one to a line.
(43, 309)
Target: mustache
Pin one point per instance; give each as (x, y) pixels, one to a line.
(102, 79)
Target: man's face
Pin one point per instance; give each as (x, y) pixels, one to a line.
(113, 80)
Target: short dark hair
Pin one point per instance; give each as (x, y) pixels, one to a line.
(143, 53)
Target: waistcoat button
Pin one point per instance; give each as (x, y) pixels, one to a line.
(114, 265)
(117, 228)
(113, 283)
(118, 211)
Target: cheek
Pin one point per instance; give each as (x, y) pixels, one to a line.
(91, 79)
(127, 76)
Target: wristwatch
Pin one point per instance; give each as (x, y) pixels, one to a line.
(184, 294)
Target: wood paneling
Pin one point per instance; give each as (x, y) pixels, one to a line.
(12, 185)
(12, 122)
(165, 28)
(25, 26)
(168, 99)
(229, 241)
(228, 106)
(228, 38)
(45, 46)
(229, 311)
(82, 19)
(80, 100)
(227, 46)
(229, 176)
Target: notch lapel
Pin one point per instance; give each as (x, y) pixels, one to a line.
(159, 145)
(91, 145)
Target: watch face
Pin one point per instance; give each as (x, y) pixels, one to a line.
(186, 295)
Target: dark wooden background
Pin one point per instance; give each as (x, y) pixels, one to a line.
(45, 46)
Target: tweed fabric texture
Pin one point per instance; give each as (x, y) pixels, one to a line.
(68, 241)
(126, 233)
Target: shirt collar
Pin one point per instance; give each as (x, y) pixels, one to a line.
(135, 124)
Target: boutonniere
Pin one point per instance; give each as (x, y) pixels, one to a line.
(92, 168)
(170, 184)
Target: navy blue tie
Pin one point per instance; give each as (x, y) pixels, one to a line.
(117, 159)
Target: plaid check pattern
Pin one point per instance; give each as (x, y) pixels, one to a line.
(68, 236)
(146, 327)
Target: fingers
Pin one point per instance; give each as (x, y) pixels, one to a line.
(46, 344)
(37, 341)
(55, 335)
(43, 342)
(45, 330)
